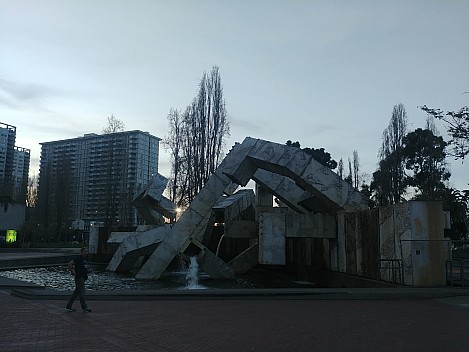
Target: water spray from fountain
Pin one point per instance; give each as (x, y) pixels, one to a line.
(219, 244)
(192, 275)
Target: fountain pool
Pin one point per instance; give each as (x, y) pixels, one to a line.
(99, 279)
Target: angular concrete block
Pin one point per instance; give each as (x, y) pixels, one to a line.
(151, 204)
(189, 219)
(412, 240)
(241, 229)
(310, 225)
(272, 239)
(266, 151)
(136, 245)
(209, 195)
(246, 260)
(235, 157)
(282, 187)
(214, 266)
(233, 206)
(243, 173)
(156, 187)
(155, 266)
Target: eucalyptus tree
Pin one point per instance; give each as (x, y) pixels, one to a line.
(457, 126)
(457, 203)
(424, 154)
(318, 154)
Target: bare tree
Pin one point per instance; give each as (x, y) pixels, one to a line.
(196, 139)
(174, 143)
(31, 194)
(113, 125)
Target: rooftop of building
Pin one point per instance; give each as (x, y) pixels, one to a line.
(95, 135)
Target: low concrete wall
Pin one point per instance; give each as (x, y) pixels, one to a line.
(12, 216)
(15, 259)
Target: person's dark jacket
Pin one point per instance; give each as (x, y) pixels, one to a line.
(81, 269)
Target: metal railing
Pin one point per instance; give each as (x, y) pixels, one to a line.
(394, 268)
(457, 271)
(457, 267)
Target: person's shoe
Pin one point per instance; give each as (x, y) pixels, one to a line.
(86, 310)
(70, 309)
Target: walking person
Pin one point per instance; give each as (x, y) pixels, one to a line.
(78, 268)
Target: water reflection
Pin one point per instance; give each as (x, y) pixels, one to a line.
(99, 279)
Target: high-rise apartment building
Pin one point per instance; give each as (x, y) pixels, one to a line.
(21, 173)
(14, 172)
(95, 178)
(14, 167)
(7, 154)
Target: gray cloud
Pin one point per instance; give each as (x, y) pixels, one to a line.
(23, 96)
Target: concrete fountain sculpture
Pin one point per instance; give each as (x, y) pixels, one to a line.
(312, 191)
(322, 223)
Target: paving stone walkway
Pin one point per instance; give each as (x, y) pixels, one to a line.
(235, 325)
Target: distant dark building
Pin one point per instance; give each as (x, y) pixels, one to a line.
(21, 174)
(7, 156)
(14, 173)
(94, 178)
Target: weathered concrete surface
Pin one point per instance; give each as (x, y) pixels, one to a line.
(193, 222)
(30, 258)
(246, 259)
(136, 245)
(310, 225)
(241, 229)
(412, 239)
(151, 204)
(282, 187)
(214, 266)
(271, 239)
(328, 191)
(233, 206)
(116, 237)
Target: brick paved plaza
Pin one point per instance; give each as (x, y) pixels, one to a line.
(236, 325)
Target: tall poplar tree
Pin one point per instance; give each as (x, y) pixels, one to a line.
(196, 139)
(389, 180)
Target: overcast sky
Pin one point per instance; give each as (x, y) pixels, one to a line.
(324, 73)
